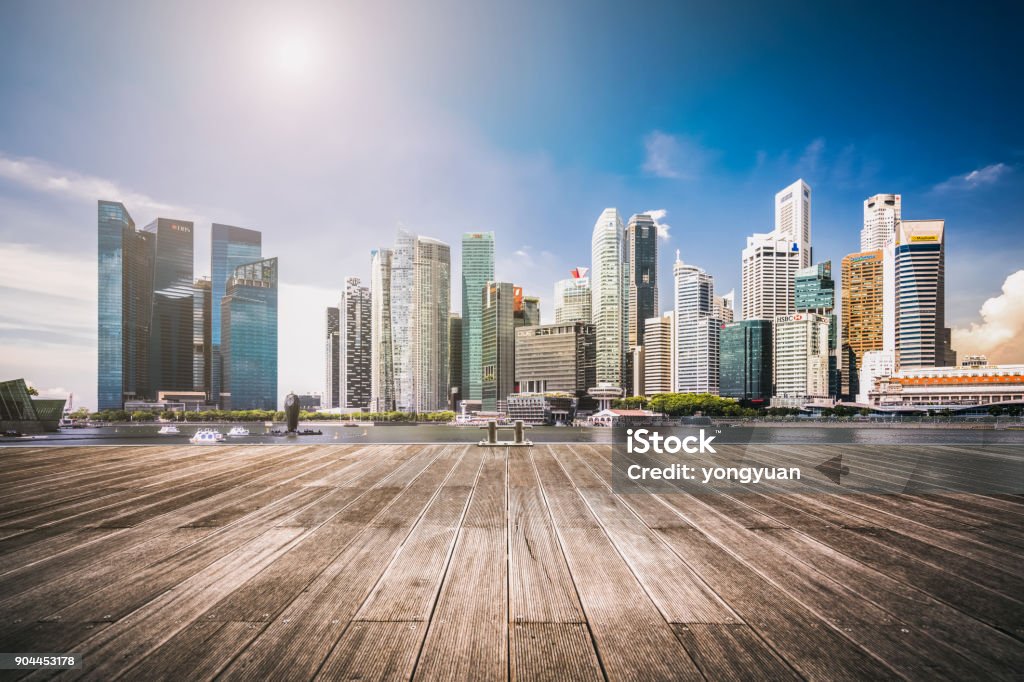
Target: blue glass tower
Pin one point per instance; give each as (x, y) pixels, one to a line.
(125, 293)
(229, 247)
(249, 337)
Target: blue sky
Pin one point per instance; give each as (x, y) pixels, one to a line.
(328, 125)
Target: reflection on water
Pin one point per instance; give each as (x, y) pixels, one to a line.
(431, 433)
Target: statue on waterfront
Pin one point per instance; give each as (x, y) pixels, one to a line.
(291, 412)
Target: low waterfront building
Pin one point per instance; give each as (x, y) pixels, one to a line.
(21, 412)
(541, 408)
(952, 388)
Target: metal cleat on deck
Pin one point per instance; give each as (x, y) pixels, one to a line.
(518, 435)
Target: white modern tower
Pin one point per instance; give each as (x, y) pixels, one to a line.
(608, 299)
(793, 218)
(420, 306)
(697, 330)
(882, 214)
(770, 260)
(382, 379)
(572, 298)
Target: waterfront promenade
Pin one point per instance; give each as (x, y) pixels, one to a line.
(384, 561)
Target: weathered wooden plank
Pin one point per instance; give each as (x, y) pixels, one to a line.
(375, 651)
(724, 651)
(552, 652)
(198, 652)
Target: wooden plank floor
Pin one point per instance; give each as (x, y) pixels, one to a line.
(457, 562)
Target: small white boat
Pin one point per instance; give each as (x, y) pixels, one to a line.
(169, 430)
(238, 431)
(206, 437)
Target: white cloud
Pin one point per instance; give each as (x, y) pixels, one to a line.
(1000, 334)
(675, 157)
(43, 177)
(663, 228)
(980, 177)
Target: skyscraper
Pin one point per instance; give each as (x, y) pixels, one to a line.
(420, 304)
(920, 294)
(793, 218)
(862, 313)
(382, 383)
(229, 247)
(504, 309)
(249, 336)
(697, 331)
(454, 359)
(355, 345)
(202, 322)
(659, 344)
(572, 298)
(125, 297)
(800, 349)
(745, 370)
(555, 358)
(641, 274)
(608, 305)
(170, 340)
(477, 271)
(882, 214)
(770, 260)
(815, 292)
(725, 307)
(332, 362)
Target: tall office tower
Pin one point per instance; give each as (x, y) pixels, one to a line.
(641, 238)
(608, 301)
(454, 360)
(770, 260)
(382, 384)
(862, 312)
(125, 288)
(499, 302)
(572, 298)
(229, 247)
(202, 314)
(800, 367)
(745, 369)
(332, 351)
(697, 330)
(919, 294)
(170, 339)
(950, 354)
(659, 337)
(249, 336)
(477, 271)
(555, 358)
(355, 345)
(420, 303)
(793, 218)
(725, 307)
(815, 292)
(882, 214)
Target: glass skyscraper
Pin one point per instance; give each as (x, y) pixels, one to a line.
(641, 275)
(746, 361)
(125, 294)
(249, 337)
(229, 247)
(477, 271)
(170, 347)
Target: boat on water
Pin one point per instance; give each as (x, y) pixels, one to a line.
(169, 430)
(238, 431)
(206, 437)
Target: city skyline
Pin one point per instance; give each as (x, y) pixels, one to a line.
(533, 175)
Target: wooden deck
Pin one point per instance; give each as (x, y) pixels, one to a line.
(457, 562)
